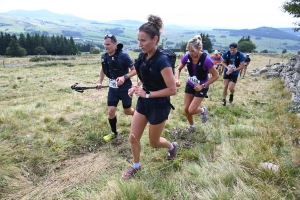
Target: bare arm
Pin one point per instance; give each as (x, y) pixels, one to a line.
(177, 74)
(122, 79)
(241, 66)
(101, 76)
(101, 79)
(166, 92)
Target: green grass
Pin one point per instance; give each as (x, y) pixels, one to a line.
(51, 144)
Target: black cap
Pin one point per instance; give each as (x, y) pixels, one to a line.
(233, 45)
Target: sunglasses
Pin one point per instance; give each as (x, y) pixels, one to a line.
(109, 35)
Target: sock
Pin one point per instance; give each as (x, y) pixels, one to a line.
(203, 110)
(172, 147)
(136, 165)
(224, 99)
(113, 124)
(192, 126)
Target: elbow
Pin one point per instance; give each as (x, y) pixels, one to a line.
(173, 91)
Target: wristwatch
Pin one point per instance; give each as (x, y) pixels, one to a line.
(147, 94)
(126, 77)
(204, 86)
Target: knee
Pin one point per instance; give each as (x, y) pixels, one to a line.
(191, 110)
(111, 112)
(153, 143)
(132, 139)
(127, 111)
(186, 110)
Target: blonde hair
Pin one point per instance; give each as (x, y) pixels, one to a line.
(195, 43)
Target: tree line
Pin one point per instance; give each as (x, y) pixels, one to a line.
(36, 44)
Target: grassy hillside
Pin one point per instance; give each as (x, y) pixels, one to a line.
(52, 146)
(45, 22)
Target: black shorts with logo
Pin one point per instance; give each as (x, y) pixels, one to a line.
(190, 90)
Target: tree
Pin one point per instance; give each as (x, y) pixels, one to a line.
(183, 47)
(162, 43)
(292, 7)
(206, 42)
(244, 39)
(39, 50)
(73, 47)
(264, 51)
(14, 49)
(2, 44)
(29, 44)
(94, 50)
(246, 46)
(207, 45)
(284, 51)
(54, 45)
(22, 40)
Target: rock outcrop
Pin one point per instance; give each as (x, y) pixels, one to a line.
(289, 73)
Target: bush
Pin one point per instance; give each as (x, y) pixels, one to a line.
(41, 58)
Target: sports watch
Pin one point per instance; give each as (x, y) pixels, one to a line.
(147, 94)
(126, 77)
(204, 86)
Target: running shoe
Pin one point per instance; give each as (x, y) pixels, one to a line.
(172, 153)
(110, 136)
(131, 172)
(192, 128)
(224, 102)
(204, 115)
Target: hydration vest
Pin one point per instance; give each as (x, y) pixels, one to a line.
(112, 70)
(236, 61)
(143, 69)
(200, 73)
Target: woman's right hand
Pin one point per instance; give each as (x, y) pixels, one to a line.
(131, 92)
(177, 83)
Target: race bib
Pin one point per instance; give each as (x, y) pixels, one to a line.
(194, 80)
(232, 67)
(113, 83)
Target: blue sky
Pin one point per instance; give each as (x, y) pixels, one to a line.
(235, 14)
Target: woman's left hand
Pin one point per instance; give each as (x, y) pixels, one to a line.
(198, 87)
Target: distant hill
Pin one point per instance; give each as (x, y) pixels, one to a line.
(291, 31)
(267, 32)
(83, 30)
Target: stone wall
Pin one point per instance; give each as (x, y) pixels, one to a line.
(289, 73)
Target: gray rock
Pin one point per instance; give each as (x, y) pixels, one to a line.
(272, 74)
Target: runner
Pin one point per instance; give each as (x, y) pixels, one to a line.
(153, 106)
(198, 65)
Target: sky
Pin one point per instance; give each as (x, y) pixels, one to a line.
(231, 14)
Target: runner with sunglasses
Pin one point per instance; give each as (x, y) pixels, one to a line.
(115, 65)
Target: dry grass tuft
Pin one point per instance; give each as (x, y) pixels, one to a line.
(61, 179)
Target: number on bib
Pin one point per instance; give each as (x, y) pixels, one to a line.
(113, 83)
(194, 80)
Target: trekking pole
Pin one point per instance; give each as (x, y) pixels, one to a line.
(81, 89)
